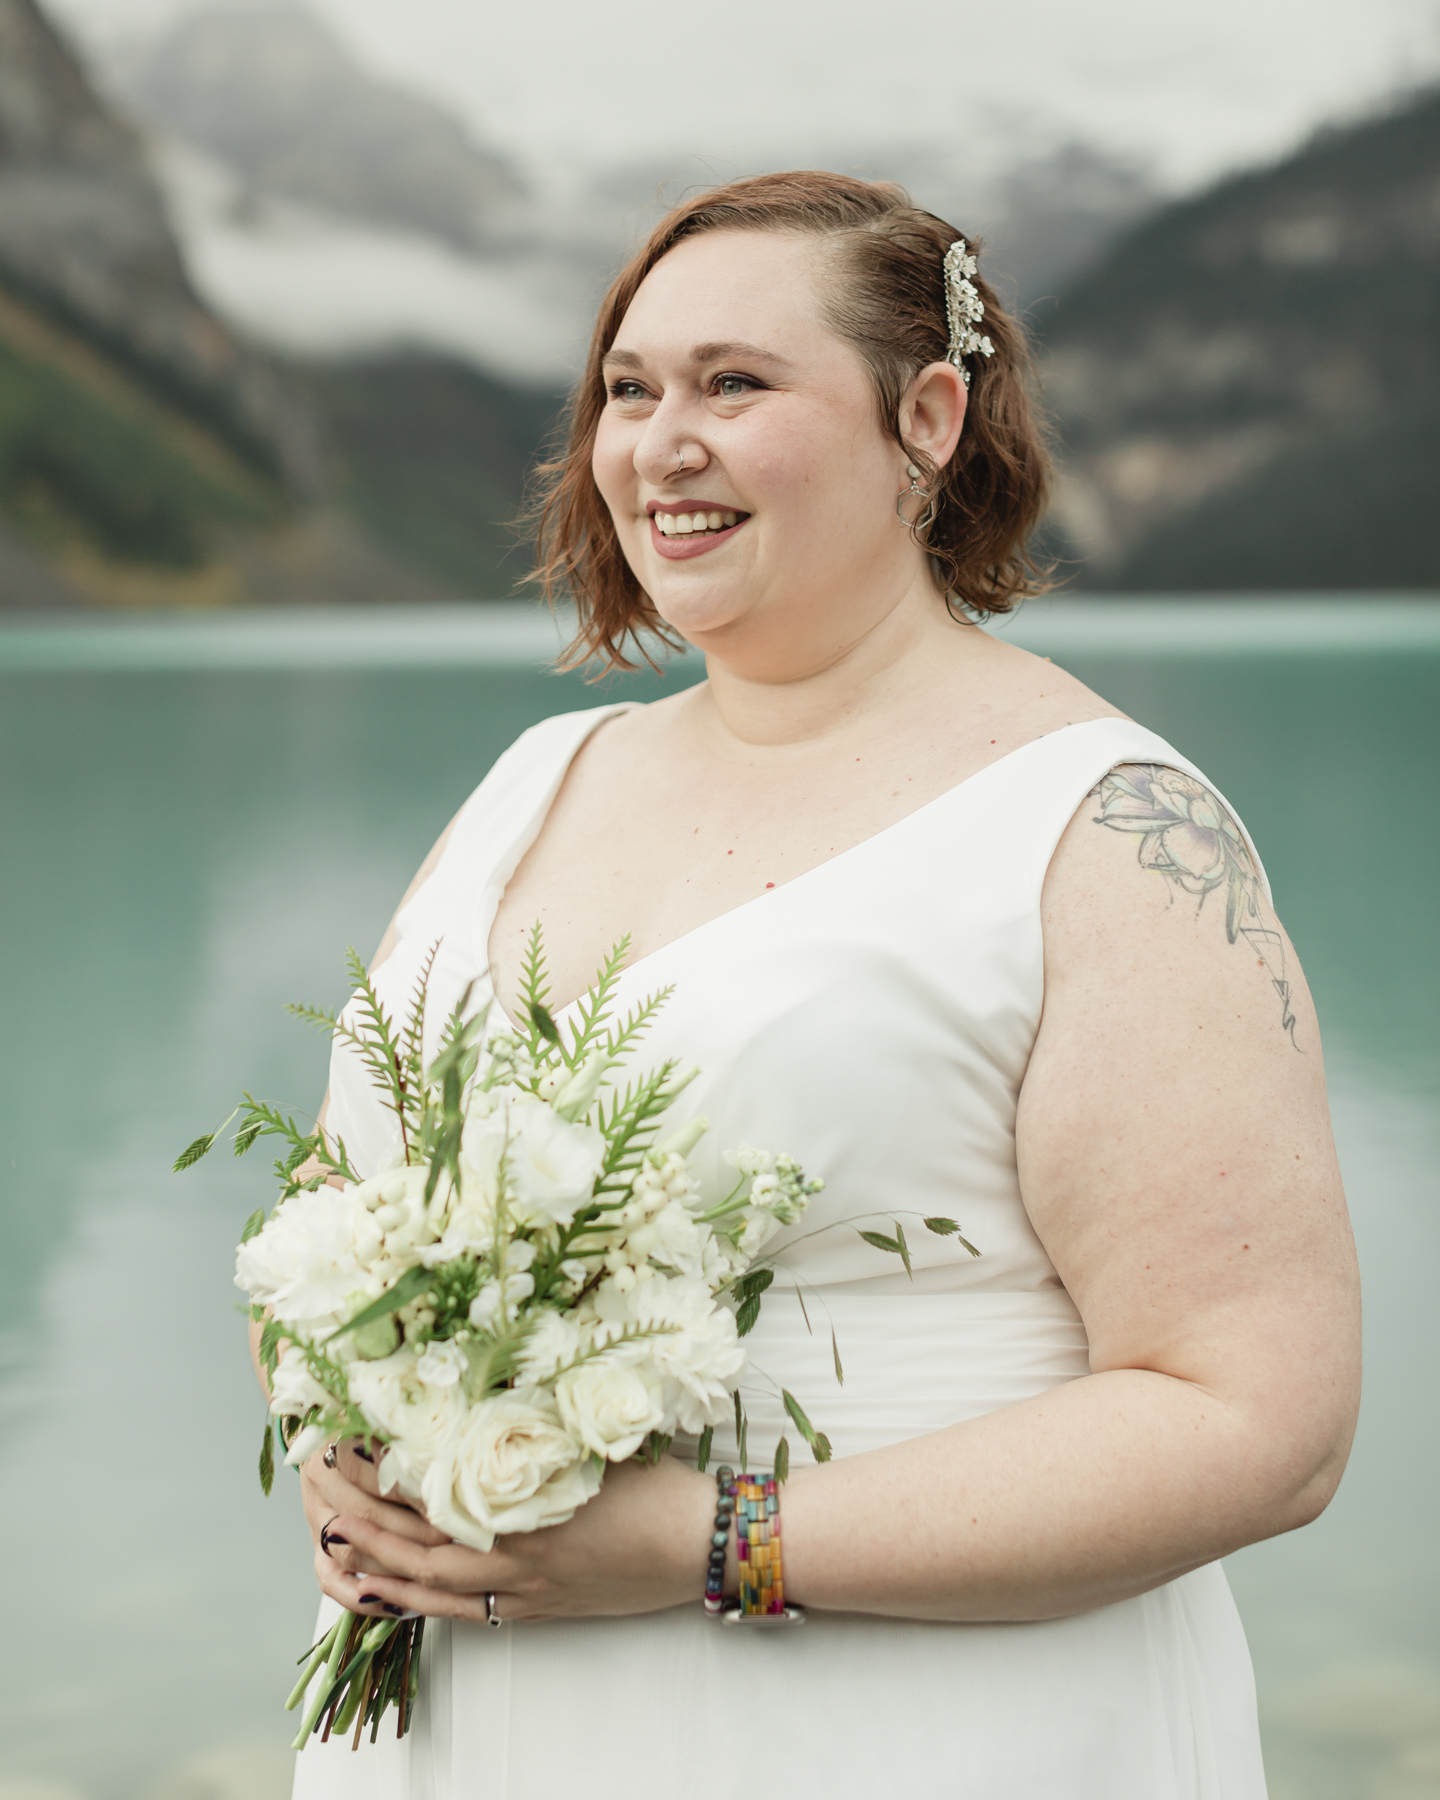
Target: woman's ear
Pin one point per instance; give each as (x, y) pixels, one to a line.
(933, 411)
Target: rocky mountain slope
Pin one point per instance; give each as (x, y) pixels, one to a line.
(1248, 385)
(272, 94)
(148, 455)
(83, 235)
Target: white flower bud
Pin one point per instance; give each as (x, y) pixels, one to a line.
(643, 1240)
(686, 1138)
(578, 1095)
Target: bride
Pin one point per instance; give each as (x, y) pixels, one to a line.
(949, 929)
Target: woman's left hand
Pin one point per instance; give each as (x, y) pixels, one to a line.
(639, 1546)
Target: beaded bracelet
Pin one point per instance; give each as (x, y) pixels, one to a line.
(754, 1500)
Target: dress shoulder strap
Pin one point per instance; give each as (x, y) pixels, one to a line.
(1077, 758)
(503, 813)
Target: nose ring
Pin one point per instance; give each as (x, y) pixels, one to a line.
(681, 455)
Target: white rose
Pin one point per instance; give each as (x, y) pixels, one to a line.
(552, 1164)
(609, 1408)
(304, 1263)
(510, 1467)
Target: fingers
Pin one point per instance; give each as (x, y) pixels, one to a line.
(357, 1464)
(447, 1566)
(329, 1492)
(384, 1596)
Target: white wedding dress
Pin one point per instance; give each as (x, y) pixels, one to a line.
(873, 1018)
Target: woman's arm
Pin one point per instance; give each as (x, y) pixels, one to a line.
(1175, 1157)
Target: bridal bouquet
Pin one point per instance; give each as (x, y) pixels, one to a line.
(531, 1286)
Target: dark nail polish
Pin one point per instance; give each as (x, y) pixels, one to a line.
(371, 1600)
(363, 1453)
(399, 1611)
(334, 1537)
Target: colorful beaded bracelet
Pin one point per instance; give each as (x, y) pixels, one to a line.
(754, 1501)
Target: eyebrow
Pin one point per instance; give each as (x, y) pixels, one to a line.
(704, 353)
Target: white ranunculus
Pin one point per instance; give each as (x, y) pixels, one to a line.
(293, 1389)
(487, 1311)
(413, 1400)
(552, 1164)
(511, 1467)
(610, 1407)
(688, 1248)
(305, 1263)
(441, 1364)
(554, 1340)
(750, 1161)
(692, 1343)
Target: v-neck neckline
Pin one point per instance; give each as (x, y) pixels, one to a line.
(535, 824)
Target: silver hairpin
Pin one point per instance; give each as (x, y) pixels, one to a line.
(964, 308)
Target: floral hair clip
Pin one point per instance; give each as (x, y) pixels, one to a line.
(963, 308)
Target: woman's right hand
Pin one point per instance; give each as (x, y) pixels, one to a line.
(352, 1487)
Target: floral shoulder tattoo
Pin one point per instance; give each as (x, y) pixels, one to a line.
(1187, 836)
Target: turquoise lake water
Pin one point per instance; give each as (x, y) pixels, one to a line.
(198, 815)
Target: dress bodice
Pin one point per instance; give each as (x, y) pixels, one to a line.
(873, 1017)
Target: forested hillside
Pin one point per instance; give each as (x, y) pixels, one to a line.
(1248, 385)
(149, 456)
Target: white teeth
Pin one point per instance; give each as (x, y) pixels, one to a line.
(685, 524)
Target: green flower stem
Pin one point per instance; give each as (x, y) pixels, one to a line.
(320, 1654)
(325, 1686)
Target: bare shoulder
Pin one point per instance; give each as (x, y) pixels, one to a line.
(1155, 868)
(1029, 696)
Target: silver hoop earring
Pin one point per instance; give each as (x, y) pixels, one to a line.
(924, 520)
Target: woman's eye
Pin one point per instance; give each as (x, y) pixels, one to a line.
(626, 390)
(732, 387)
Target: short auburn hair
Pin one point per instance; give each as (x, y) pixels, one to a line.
(888, 299)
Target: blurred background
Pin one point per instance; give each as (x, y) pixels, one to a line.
(290, 297)
(289, 294)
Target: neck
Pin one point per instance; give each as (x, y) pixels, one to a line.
(839, 670)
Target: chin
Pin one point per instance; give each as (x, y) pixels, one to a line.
(695, 605)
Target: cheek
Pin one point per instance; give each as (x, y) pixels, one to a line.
(612, 461)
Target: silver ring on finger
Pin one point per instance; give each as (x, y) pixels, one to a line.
(331, 1456)
(492, 1618)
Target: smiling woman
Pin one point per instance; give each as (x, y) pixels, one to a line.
(938, 921)
(875, 268)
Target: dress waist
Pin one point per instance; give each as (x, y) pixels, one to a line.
(913, 1364)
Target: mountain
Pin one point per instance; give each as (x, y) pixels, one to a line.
(83, 236)
(431, 457)
(148, 455)
(1248, 384)
(269, 92)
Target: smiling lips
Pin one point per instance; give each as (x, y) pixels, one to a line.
(693, 531)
